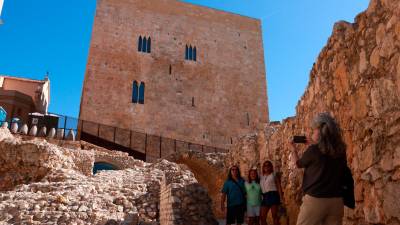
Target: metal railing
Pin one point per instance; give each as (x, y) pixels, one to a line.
(152, 146)
(138, 144)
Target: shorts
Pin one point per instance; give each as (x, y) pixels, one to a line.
(253, 211)
(271, 198)
(235, 214)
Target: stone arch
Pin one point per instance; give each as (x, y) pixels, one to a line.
(209, 173)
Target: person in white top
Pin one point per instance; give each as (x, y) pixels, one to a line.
(272, 193)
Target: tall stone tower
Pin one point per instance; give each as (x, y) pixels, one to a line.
(176, 70)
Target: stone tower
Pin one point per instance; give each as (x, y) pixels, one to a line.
(177, 70)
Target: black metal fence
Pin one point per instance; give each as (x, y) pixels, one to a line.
(150, 146)
(138, 144)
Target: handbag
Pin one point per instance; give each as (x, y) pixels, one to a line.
(348, 189)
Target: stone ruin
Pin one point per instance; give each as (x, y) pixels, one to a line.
(357, 79)
(44, 183)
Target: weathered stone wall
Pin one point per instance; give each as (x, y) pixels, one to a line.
(42, 183)
(185, 204)
(227, 82)
(209, 170)
(357, 79)
(24, 162)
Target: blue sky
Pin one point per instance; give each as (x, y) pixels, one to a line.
(54, 36)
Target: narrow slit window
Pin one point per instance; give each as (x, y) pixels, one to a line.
(149, 45)
(187, 53)
(140, 44)
(190, 53)
(194, 54)
(192, 101)
(135, 92)
(144, 48)
(141, 93)
(170, 69)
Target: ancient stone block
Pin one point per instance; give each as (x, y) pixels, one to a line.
(391, 203)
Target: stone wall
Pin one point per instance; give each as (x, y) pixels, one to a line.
(357, 79)
(43, 183)
(23, 162)
(208, 101)
(209, 170)
(185, 204)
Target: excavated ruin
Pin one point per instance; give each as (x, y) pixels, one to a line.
(44, 183)
(356, 78)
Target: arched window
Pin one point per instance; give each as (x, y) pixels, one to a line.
(144, 45)
(190, 53)
(194, 54)
(149, 45)
(140, 44)
(141, 93)
(187, 53)
(135, 92)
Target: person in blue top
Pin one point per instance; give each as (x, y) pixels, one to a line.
(234, 192)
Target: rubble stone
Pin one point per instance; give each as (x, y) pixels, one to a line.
(44, 183)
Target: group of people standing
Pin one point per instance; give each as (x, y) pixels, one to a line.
(256, 196)
(324, 182)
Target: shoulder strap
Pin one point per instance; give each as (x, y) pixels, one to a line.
(240, 188)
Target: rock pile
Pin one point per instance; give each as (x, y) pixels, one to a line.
(43, 183)
(357, 79)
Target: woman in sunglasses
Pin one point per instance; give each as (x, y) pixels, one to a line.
(272, 193)
(234, 192)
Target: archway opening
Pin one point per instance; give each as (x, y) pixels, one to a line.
(98, 166)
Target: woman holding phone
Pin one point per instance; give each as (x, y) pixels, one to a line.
(324, 162)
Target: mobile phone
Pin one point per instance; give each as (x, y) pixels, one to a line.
(299, 139)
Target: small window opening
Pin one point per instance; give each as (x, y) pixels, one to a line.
(141, 93)
(193, 102)
(140, 44)
(190, 53)
(149, 45)
(135, 92)
(144, 44)
(187, 53)
(170, 69)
